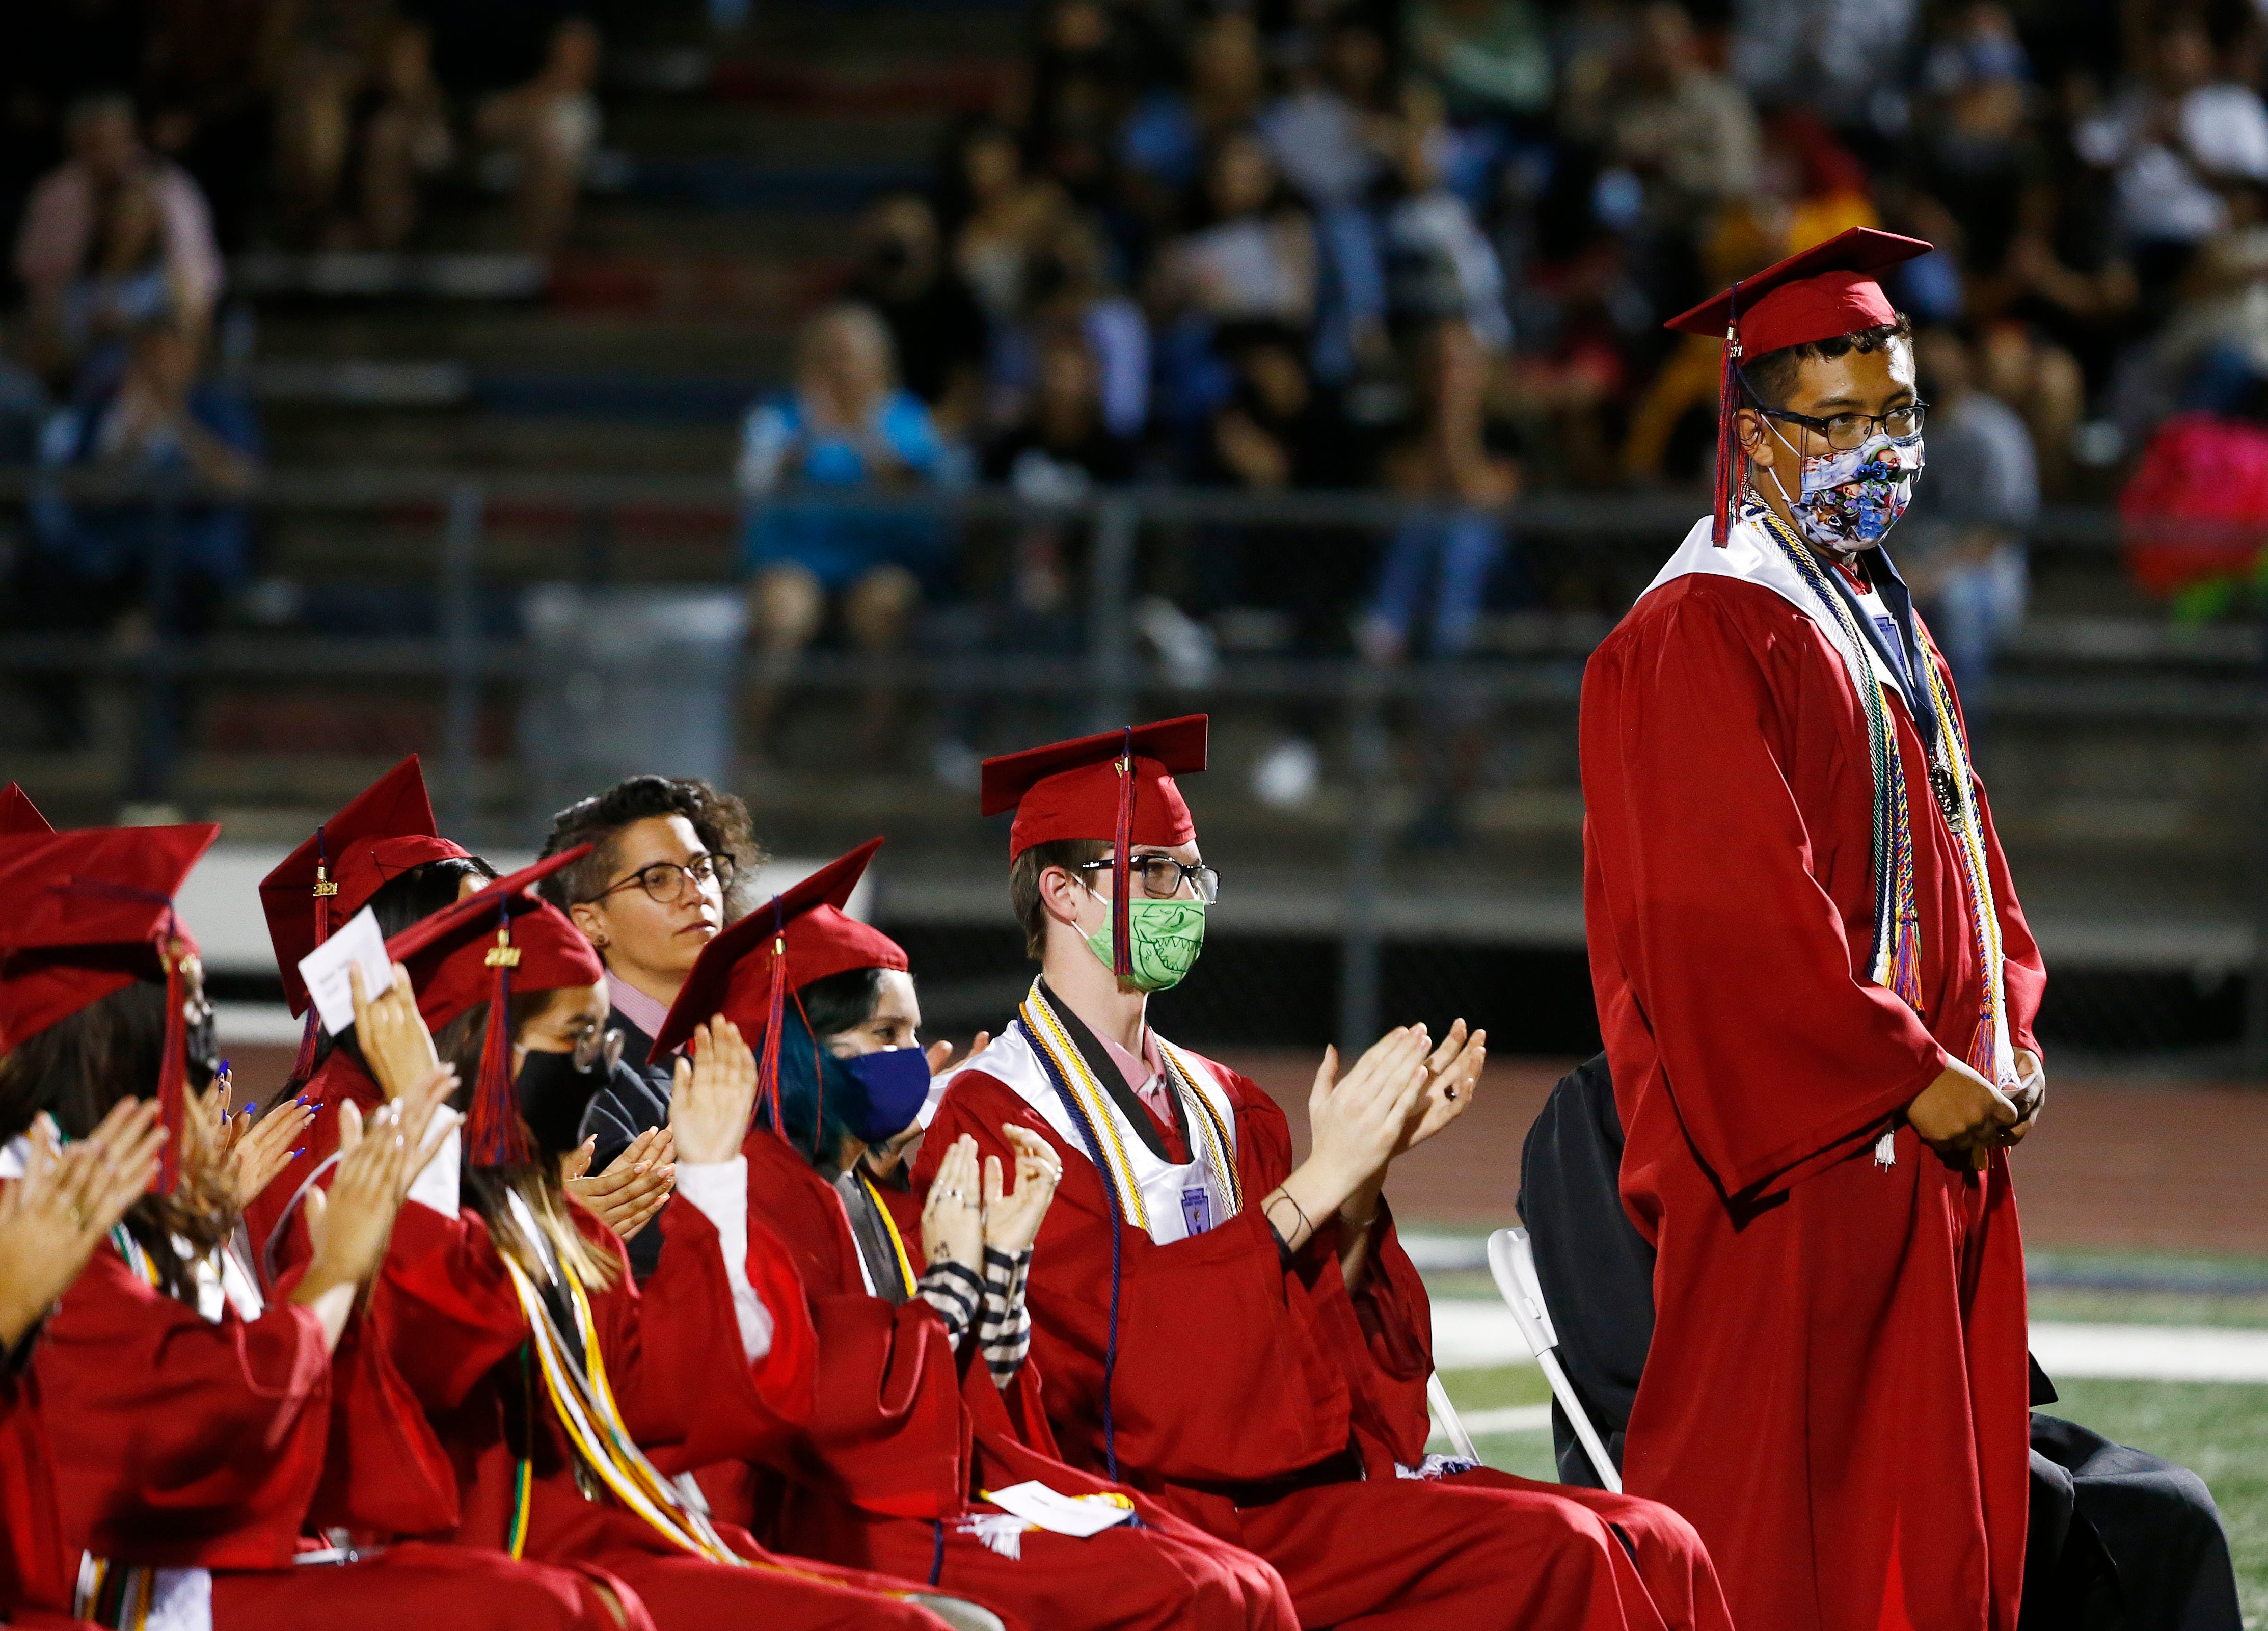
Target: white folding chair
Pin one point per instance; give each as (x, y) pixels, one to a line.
(1511, 1260)
(1445, 1418)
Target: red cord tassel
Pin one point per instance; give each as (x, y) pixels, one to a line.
(1906, 963)
(1728, 438)
(494, 1132)
(768, 1088)
(173, 1072)
(1121, 868)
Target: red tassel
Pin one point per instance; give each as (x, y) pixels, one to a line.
(494, 1132)
(817, 1080)
(768, 1088)
(1729, 436)
(1122, 867)
(1905, 967)
(173, 1072)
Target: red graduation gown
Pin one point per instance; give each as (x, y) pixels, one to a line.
(672, 1357)
(192, 1443)
(337, 1079)
(903, 1434)
(34, 1575)
(1835, 1393)
(1271, 1407)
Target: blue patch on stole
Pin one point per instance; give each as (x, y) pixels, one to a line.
(1196, 1210)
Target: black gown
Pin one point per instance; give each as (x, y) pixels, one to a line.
(637, 1099)
(2121, 1540)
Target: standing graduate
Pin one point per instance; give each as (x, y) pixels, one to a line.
(1817, 993)
(1242, 1340)
(199, 1433)
(925, 1400)
(541, 1368)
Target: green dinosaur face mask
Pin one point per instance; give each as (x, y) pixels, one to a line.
(1164, 937)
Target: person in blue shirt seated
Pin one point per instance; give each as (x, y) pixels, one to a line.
(846, 430)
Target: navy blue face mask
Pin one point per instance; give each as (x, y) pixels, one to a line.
(895, 1081)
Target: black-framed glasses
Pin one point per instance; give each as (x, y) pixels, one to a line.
(665, 882)
(1847, 432)
(1160, 876)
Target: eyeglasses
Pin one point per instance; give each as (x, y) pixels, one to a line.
(1847, 432)
(1160, 876)
(665, 882)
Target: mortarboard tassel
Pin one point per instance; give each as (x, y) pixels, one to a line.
(1728, 435)
(768, 1088)
(1122, 867)
(817, 1080)
(174, 1065)
(494, 1132)
(304, 1066)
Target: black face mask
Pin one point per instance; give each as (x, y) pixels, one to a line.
(555, 1090)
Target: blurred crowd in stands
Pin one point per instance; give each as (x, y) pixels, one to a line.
(1421, 247)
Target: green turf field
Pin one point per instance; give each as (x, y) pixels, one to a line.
(2221, 1430)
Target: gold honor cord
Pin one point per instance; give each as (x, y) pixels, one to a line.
(112, 1594)
(897, 1240)
(1993, 1025)
(586, 1411)
(1207, 1121)
(593, 1424)
(1046, 1030)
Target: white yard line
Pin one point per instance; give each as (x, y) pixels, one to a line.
(1469, 1335)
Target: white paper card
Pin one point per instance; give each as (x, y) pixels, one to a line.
(325, 969)
(1059, 1515)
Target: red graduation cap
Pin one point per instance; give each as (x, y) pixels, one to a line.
(20, 817)
(87, 913)
(1116, 787)
(483, 949)
(1814, 294)
(746, 971)
(733, 974)
(382, 832)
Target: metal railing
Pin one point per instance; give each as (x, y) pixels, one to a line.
(1106, 677)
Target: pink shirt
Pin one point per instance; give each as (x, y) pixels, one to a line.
(635, 1006)
(1145, 1074)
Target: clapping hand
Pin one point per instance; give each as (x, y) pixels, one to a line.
(633, 1187)
(953, 1217)
(53, 1217)
(258, 1150)
(1452, 1076)
(712, 1095)
(1011, 1222)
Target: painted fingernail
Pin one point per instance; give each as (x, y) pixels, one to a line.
(298, 1152)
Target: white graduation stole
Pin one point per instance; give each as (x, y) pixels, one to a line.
(1166, 1200)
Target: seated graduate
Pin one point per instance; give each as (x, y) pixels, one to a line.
(668, 859)
(925, 1400)
(1243, 1339)
(2118, 1539)
(198, 1431)
(383, 851)
(538, 1363)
